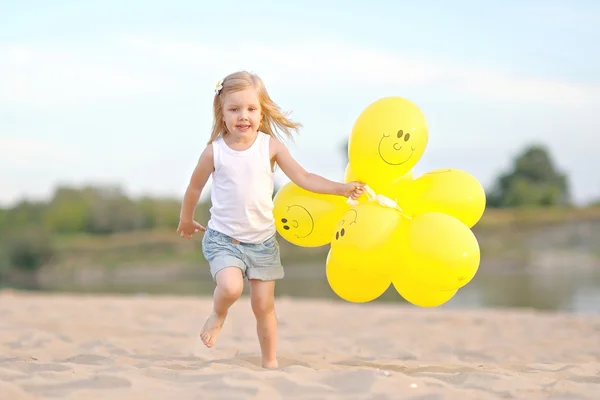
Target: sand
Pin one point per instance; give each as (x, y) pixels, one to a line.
(109, 347)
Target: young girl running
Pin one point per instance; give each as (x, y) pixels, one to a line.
(239, 240)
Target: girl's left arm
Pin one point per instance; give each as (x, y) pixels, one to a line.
(309, 181)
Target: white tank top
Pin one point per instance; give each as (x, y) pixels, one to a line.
(242, 191)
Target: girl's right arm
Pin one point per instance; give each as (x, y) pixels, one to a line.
(205, 167)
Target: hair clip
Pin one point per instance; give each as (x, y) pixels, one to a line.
(219, 87)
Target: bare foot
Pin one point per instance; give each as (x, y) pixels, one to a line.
(210, 330)
(270, 364)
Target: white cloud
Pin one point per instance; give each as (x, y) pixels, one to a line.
(328, 64)
(139, 67)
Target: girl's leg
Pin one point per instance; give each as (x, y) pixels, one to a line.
(262, 301)
(230, 284)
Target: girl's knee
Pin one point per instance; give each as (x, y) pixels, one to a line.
(262, 305)
(230, 282)
(232, 290)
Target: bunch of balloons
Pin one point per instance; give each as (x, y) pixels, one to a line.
(412, 233)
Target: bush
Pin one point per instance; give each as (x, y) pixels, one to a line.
(28, 250)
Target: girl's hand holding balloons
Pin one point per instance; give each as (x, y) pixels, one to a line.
(353, 189)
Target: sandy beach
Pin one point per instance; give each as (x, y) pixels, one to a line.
(62, 346)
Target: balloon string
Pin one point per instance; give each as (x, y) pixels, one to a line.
(381, 199)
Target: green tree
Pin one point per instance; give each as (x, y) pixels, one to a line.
(101, 210)
(159, 213)
(68, 211)
(112, 211)
(534, 181)
(25, 213)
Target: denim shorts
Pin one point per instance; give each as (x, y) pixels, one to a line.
(257, 261)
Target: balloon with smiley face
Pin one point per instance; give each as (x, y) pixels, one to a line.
(366, 239)
(387, 140)
(305, 218)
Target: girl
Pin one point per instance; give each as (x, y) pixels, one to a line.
(239, 240)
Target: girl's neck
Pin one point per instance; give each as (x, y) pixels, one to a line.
(240, 142)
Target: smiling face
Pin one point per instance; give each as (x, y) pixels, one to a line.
(365, 227)
(365, 236)
(306, 218)
(298, 221)
(387, 140)
(242, 112)
(395, 149)
(345, 223)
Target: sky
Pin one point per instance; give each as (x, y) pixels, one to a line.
(120, 93)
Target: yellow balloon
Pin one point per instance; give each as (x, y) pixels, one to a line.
(356, 286)
(419, 295)
(399, 187)
(387, 140)
(367, 237)
(305, 218)
(447, 190)
(439, 252)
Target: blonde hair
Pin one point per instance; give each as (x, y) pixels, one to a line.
(274, 119)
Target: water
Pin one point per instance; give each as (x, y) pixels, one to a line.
(494, 286)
